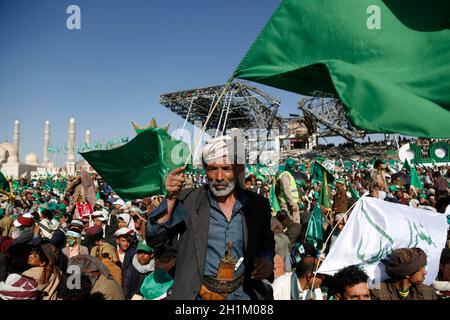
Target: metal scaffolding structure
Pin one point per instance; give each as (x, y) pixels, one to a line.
(327, 114)
(242, 106)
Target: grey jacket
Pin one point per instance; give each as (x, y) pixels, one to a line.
(192, 245)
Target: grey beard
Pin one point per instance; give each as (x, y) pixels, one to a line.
(223, 193)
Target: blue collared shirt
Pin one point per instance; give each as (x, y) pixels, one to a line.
(220, 232)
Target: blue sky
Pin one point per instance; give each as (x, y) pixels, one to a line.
(113, 70)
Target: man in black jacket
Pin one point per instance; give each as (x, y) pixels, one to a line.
(225, 246)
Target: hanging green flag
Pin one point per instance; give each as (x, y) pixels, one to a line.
(138, 168)
(274, 204)
(4, 183)
(314, 231)
(356, 50)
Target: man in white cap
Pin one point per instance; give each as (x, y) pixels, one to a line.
(226, 246)
(100, 218)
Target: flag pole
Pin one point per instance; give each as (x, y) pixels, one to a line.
(227, 84)
(328, 239)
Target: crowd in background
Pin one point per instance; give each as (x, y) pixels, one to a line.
(54, 225)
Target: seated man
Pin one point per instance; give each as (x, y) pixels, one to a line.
(350, 283)
(406, 267)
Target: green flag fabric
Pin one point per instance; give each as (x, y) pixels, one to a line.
(324, 194)
(314, 231)
(274, 204)
(406, 165)
(415, 179)
(138, 168)
(4, 184)
(387, 61)
(49, 185)
(355, 195)
(318, 172)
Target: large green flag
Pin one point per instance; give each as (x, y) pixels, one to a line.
(387, 61)
(139, 168)
(4, 184)
(314, 232)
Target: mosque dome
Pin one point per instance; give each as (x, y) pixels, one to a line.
(31, 159)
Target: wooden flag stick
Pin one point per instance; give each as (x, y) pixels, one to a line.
(326, 242)
(202, 131)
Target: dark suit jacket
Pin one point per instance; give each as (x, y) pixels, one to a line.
(192, 245)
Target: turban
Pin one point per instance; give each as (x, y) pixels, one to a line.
(94, 233)
(218, 148)
(406, 261)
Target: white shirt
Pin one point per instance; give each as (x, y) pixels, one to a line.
(282, 289)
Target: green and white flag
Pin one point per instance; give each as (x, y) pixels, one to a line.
(376, 228)
(387, 61)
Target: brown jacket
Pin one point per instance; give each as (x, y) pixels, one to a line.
(340, 200)
(107, 254)
(108, 288)
(388, 291)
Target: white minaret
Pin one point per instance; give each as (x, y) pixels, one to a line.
(70, 164)
(88, 137)
(46, 159)
(88, 142)
(16, 142)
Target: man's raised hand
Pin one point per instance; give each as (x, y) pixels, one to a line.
(174, 182)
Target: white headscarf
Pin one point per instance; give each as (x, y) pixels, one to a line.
(128, 220)
(218, 148)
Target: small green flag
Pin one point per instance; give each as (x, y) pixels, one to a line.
(274, 204)
(415, 179)
(314, 232)
(406, 165)
(355, 49)
(324, 194)
(15, 185)
(49, 185)
(138, 168)
(4, 184)
(318, 172)
(355, 195)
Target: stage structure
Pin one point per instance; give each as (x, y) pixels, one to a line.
(242, 106)
(325, 114)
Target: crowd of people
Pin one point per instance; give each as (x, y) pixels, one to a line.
(83, 241)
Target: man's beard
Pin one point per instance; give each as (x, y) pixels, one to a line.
(229, 187)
